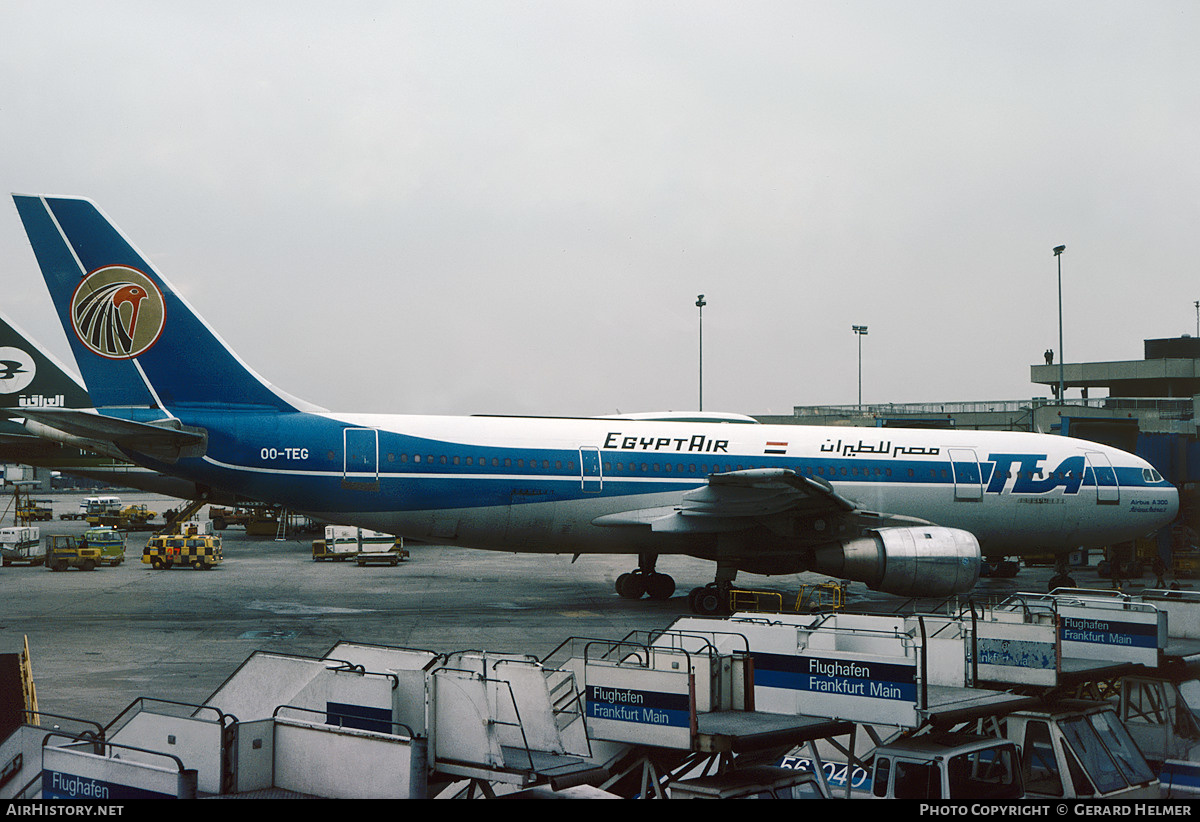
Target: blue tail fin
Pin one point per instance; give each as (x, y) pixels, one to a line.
(138, 344)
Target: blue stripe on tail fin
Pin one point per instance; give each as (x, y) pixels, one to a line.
(138, 344)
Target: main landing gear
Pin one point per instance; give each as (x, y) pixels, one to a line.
(1062, 577)
(645, 581)
(710, 600)
(637, 584)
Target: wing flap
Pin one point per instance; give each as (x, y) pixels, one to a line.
(735, 500)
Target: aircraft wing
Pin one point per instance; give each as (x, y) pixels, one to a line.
(739, 499)
(165, 440)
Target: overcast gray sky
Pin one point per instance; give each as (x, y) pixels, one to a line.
(510, 207)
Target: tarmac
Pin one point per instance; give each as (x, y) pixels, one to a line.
(100, 640)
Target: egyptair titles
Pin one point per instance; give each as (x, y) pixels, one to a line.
(695, 444)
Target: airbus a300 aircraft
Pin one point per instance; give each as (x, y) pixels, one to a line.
(905, 511)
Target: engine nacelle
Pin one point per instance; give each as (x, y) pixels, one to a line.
(926, 561)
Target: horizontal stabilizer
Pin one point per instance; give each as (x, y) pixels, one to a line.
(165, 440)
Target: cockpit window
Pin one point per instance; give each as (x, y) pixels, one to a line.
(1150, 475)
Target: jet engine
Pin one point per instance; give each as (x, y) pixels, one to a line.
(928, 561)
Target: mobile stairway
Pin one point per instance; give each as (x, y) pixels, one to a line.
(1140, 652)
(674, 715)
(911, 684)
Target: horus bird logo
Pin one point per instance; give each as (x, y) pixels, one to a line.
(117, 312)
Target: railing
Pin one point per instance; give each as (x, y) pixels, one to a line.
(141, 702)
(1182, 407)
(891, 408)
(567, 649)
(816, 597)
(99, 748)
(512, 699)
(566, 703)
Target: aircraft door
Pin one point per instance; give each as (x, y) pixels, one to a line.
(1108, 492)
(968, 478)
(360, 470)
(589, 466)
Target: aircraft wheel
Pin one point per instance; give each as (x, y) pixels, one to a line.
(631, 586)
(706, 601)
(1061, 581)
(660, 586)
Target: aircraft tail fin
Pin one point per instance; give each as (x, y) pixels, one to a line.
(137, 342)
(31, 377)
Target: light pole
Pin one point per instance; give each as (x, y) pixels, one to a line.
(860, 331)
(1058, 250)
(1198, 318)
(700, 305)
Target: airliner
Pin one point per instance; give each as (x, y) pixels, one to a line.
(907, 512)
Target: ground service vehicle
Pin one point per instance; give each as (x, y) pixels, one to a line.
(34, 510)
(222, 518)
(929, 767)
(135, 516)
(196, 547)
(1080, 749)
(21, 545)
(63, 551)
(340, 544)
(102, 510)
(110, 541)
(364, 547)
(380, 549)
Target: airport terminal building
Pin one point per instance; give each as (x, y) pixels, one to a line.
(1147, 407)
